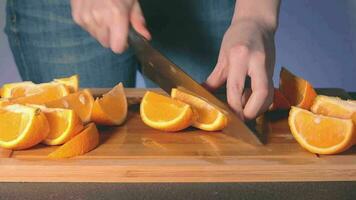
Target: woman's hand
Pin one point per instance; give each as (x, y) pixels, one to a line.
(247, 50)
(108, 20)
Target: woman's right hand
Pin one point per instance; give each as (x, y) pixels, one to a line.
(108, 20)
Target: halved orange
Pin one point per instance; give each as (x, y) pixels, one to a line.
(71, 82)
(280, 102)
(63, 123)
(111, 109)
(163, 113)
(22, 127)
(80, 144)
(81, 102)
(298, 91)
(321, 134)
(6, 90)
(208, 117)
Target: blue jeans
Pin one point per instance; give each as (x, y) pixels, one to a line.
(46, 43)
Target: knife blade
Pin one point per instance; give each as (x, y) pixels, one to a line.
(168, 75)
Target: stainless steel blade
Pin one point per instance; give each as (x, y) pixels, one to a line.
(167, 75)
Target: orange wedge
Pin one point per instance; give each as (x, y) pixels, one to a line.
(280, 102)
(298, 91)
(7, 89)
(163, 113)
(22, 127)
(334, 107)
(111, 109)
(71, 82)
(208, 117)
(38, 94)
(81, 102)
(321, 134)
(80, 144)
(63, 123)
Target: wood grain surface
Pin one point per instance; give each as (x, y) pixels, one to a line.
(134, 152)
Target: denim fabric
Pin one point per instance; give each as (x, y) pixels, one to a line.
(46, 43)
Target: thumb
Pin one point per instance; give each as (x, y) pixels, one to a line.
(219, 75)
(138, 21)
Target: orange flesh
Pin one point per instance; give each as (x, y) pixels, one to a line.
(320, 131)
(81, 102)
(207, 114)
(298, 91)
(42, 94)
(113, 110)
(11, 125)
(160, 105)
(57, 124)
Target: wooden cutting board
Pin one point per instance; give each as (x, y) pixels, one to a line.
(134, 152)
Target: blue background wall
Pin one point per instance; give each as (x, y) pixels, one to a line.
(316, 39)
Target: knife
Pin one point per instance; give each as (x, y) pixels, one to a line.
(167, 75)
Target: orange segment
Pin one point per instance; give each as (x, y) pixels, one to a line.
(7, 89)
(80, 144)
(334, 107)
(38, 94)
(280, 102)
(321, 134)
(71, 82)
(22, 127)
(81, 102)
(207, 117)
(63, 123)
(163, 113)
(298, 91)
(111, 109)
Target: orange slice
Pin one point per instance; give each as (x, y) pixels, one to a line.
(63, 123)
(80, 144)
(7, 89)
(71, 82)
(334, 107)
(22, 127)
(298, 91)
(163, 113)
(321, 134)
(111, 109)
(280, 102)
(81, 102)
(208, 117)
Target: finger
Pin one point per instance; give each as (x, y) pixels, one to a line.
(246, 95)
(119, 31)
(138, 21)
(236, 79)
(103, 36)
(262, 92)
(219, 74)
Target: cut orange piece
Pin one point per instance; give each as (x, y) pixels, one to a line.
(280, 102)
(298, 91)
(63, 123)
(71, 82)
(22, 127)
(208, 117)
(321, 134)
(334, 107)
(81, 102)
(111, 109)
(80, 144)
(163, 113)
(7, 89)
(39, 94)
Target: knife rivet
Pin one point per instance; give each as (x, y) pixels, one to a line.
(150, 63)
